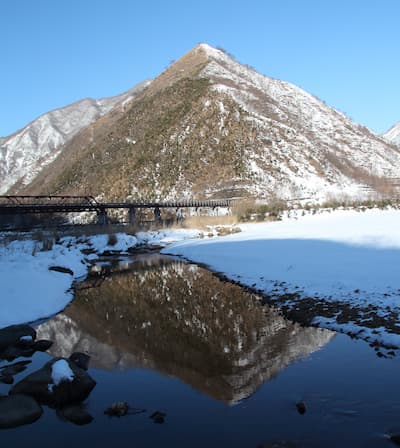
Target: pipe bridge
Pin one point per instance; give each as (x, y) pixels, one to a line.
(25, 204)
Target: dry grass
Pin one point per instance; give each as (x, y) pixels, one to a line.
(204, 222)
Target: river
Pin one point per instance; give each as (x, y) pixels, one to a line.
(169, 336)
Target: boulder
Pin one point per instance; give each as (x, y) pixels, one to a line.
(12, 369)
(80, 359)
(16, 335)
(56, 390)
(17, 410)
(42, 345)
(6, 379)
(75, 414)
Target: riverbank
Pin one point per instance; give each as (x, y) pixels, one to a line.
(36, 276)
(336, 270)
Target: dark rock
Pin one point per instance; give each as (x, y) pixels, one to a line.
(6, 379)
(301, 407)
(117, 409)
(42, 345)
(80, 359)
(278, 444)
(13, 352)
(121, 408)
(61, 269)
(40, 385)
(10, 336)
(75, 414)
(158, 417)
(395, 438)
(12, 369)
(17, 410)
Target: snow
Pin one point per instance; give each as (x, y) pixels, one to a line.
(393, 134)
(30, 291)
(26, 152)
(307, 139)
(26, 338)
(61, 371)
(344, 256)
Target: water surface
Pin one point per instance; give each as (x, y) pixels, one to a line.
(170, 336)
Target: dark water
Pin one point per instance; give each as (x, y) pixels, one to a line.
(226, 371)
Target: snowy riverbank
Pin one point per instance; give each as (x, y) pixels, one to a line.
(30, 291)
(339, 269)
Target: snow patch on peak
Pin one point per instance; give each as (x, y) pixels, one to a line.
(25, 153)
(393, 134)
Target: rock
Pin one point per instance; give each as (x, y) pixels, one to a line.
(40, 385)
(158, 417)
(395, 438)
(301, 407)
(121, 408)
(17, 410)
(278, 444)
(6, 379)
(12, 369)
(61, 269)
(13, 352)
(80, 359)
(75, 414)
(42, 345)
(11, 336)
(117, 409)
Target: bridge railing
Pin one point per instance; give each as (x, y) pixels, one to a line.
(15, 200)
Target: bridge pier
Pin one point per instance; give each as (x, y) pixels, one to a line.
(131, 215)
(157, 215)
(102, 217)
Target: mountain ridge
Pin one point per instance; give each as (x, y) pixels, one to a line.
(209, 126)
(43, 138)
(393, 134)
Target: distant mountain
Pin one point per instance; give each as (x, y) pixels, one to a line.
(393, 134)
(211, 127)
(24, 154)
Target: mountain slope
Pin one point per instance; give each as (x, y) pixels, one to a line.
(393, 134)
(26, 152)
(211, 127)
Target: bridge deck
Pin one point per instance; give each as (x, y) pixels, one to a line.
(68, 204)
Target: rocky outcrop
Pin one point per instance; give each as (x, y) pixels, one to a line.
(55, 390)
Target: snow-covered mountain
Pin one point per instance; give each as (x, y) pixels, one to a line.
(393, 134)
(24, 153)
(209, 126)
(217, 338)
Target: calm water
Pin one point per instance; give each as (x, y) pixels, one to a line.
(168, 336)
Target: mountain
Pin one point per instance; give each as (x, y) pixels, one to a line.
(393, 134)
(211, 127)
(180, 320)
(25, 153)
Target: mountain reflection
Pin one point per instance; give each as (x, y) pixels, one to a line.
(181, 320)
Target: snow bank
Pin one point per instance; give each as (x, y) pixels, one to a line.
(344, 256)
(30, 291)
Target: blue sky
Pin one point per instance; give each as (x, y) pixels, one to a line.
(54, 52)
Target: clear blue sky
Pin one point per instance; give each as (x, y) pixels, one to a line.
(54, 52)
